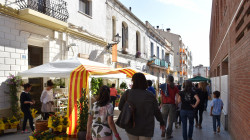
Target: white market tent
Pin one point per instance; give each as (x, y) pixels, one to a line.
(63, 69)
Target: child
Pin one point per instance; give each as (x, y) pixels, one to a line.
(216, 107)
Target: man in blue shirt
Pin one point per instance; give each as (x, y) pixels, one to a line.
(150, 88)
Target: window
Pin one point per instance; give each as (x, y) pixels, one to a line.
(162, 54)
(167, 58)
(152, 49)
(85, 6)
(113, 27)
(158, 52)
(137, 41)
(124, 35)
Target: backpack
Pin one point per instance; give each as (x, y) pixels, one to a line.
(126, 119)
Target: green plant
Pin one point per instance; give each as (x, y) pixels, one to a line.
(109, 85)
(82, 105)
(14, 82)
(59, 82)
(159, 100)
(119, 91)
(38, 135)
(123, 85)
(55, 121)
(96, 83)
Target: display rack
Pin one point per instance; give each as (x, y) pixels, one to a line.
(61, 100)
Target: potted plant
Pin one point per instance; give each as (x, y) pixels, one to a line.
(138, 54)
(117, 102)
(96, 83)
(14, 83)
(123, 86)
(83, 111)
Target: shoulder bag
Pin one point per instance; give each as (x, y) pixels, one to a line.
(126, 119)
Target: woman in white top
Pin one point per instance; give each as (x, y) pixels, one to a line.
(47, 100)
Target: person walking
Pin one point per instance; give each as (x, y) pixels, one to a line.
(216, 107)
(202, 94)
(146, 108)
(208, 94)
(169, 92)
(150, 87)
(113, 94)
(100, 123)
(47, 100)
(26, 102)
(189, 101)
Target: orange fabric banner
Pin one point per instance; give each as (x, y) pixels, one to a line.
(114, 53)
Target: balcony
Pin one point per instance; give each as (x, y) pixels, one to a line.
(164, 64)
(156, 62)
(53, 8)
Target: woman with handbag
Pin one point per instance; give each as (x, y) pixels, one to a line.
(100, 121)
(144, 112)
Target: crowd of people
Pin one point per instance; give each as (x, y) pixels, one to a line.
(178, 104)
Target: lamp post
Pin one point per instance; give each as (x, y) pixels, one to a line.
(116, 41)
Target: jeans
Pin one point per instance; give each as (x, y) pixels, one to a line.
(216, 118)
(169, 110)
(27, 115)
(178, 117)
(187, 114)
(205, 105)
(199, 119)
(113, 98)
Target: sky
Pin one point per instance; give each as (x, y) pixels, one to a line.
(188, 18)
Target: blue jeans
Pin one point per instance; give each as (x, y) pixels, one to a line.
(187, 114)
(216, 118)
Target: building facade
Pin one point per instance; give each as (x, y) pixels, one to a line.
(182, 56)
(201, 71)
(159, 51)
(34, 32)
(229, 61)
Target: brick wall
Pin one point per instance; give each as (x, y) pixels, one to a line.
(236, 46)
(13, 45)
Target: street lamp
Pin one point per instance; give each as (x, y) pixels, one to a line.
(116, 41)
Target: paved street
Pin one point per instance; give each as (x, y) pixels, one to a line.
(206, 133)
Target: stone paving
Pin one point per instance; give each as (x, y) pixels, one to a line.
(206, 133)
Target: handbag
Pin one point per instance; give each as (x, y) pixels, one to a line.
(126, 119)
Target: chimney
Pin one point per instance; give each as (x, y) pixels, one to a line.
(168, 30)
(130, 8)
(157, 27)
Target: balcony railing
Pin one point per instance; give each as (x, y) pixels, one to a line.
(158, 63)
(164, 64)
(153, 61)
(54, 8)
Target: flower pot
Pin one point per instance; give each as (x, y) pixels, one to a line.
(81, 135)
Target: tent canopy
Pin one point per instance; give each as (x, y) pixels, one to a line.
(198, 79)
(63, 69)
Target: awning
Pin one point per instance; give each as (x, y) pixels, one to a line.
(63, 69)
(199, 79)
